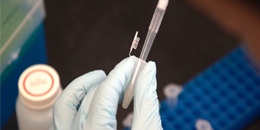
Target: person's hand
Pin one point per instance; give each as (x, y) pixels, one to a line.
(91, 100)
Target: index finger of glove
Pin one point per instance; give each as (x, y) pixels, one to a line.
(102, 114)
(66, 107)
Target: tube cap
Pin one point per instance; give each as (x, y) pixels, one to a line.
(172, 90)
(39, 86)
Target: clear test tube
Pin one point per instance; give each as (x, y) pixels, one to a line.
(140, 62)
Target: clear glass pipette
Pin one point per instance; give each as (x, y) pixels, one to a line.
(139, 63)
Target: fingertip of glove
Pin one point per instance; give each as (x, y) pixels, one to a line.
(93, 77)
(125, 65)
(95, 74)
(133, 56)
(99, 72)
(150, 68)
(152, 64)
(132, 59)
(148, 75)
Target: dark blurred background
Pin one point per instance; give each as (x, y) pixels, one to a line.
(86, 35)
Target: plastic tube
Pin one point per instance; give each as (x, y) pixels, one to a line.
(140, 62)
(152, 31)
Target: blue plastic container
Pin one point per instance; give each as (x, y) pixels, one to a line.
(227, 94)
(32, 52)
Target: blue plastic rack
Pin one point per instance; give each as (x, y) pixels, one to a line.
(227, 94)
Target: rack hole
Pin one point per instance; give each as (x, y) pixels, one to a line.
(232, 101)
(257, 95)
(197, 97)
(223, 78)
(257, 81)
(164, 107)
(241, 80)
(198, 82)
(240, 94)
(188, 104)
(223, 123)
(224, 64)
(196, 112)
(214, 114)
(215, 84)
(232, 72)
(187, 119)
(241, 65)
(232, 86)
(214, 99)
(205, 105)
(178, 126)
(241, 109)
(249, 73)
(179, 110)
(249, 88)
(170, 117)
(206, 91)
(223, 107)
(164, 123)
(223, 92)
(249, 102)
(232, 116)
(207, 76)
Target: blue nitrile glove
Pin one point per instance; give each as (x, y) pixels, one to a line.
(91, 100)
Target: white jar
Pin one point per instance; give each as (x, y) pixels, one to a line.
(39, 87)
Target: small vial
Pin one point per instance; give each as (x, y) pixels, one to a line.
(128, 121)
(202, 124)
(39, 87)
(172, 91)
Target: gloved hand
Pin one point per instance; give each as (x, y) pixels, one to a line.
(90, 101)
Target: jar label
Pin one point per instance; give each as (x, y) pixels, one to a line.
(38, 82)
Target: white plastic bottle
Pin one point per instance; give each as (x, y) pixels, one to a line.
(39, 87)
